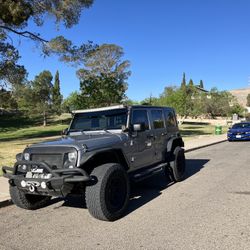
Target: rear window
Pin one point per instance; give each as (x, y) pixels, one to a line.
(157, 119)
(170, 118)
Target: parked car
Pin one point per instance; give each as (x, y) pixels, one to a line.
(100, 153)
(239, 132)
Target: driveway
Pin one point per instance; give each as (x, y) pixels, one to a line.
(208, 210)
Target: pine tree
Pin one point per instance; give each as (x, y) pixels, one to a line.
(201, 84)
(183, 83)
(191, 83)
(56, 95)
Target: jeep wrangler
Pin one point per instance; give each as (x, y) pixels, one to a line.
(98, 155)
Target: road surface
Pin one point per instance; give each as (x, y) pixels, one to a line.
(208, 210)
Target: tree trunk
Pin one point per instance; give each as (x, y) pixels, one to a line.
(44, 119)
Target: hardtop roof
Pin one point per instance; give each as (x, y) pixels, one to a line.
(116, 107)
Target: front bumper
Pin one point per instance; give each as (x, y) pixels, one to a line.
(60, 184)
(238, 137)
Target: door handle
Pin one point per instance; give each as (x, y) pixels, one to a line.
(151, 136)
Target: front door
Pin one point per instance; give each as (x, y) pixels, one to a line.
(141, 143)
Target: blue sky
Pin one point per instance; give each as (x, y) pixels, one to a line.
(208, 40)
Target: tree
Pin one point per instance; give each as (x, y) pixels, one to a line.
(219, 103)
(191, 83)
(14, 18)
(7, 101)
(103, 90)
(236, 108)
(248, 100)
(42, 88)
(174, 97)
(72, 102)
(183, 83)
(11, 74)
(103, 78)
(201, 85)
(56, 95)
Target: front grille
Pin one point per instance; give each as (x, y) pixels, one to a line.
(53, 160)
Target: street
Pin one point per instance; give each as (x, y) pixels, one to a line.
(208, 210)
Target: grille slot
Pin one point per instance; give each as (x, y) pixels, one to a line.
(50, 159)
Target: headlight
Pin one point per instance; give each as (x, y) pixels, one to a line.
(72, 156)
(26, 156)
(248, 132)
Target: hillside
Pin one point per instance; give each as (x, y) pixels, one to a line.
(241, 95)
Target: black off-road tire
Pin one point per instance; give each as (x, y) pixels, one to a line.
(178, 165)
(28, 201)
(108, 198)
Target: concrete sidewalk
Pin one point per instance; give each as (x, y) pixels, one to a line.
(190, 145)
(203, 141)
(4, 192)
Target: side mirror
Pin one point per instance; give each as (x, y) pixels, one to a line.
(65, 131)
(124, 128)
(139, 127)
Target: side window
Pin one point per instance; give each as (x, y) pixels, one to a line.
(170, 118)
(157, 118)
(140, 116)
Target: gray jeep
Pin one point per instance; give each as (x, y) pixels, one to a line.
(98, 155)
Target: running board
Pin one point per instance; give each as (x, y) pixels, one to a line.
(149, 172)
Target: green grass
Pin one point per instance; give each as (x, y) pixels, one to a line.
(18, 132)
(14, 128)
(33, 132)
(198, 129)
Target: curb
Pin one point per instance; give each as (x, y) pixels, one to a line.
(9, 202)
(6, 203)
(204, 146)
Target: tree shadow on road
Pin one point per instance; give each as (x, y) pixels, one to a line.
(145, 191)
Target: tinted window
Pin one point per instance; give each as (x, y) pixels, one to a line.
(170, 118)
(140, 116)
(113, 119)
(241, 125)
(157, 118)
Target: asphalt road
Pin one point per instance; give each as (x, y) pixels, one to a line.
(208, 210)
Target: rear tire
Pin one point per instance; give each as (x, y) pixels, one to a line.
(108, 199)
(178, 165)
(27, 201)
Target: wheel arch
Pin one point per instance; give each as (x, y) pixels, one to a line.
(173, 143)
(101, 157)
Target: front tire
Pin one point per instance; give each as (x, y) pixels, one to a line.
(108, 199)
(27, 201)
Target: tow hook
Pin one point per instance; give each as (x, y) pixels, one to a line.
(32, 188)
(32, 185)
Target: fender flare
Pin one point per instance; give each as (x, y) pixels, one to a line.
(173, 142)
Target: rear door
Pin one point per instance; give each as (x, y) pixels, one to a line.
(159, 131)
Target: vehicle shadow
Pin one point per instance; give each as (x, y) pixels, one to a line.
(144, 191)
(151, 188)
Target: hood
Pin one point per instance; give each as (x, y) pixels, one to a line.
(91, 140)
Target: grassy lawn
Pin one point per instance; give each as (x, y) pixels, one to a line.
(189, 131)
(9, 149)
(16, 133)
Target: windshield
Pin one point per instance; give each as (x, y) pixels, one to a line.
(101, 120)
(241, 125)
